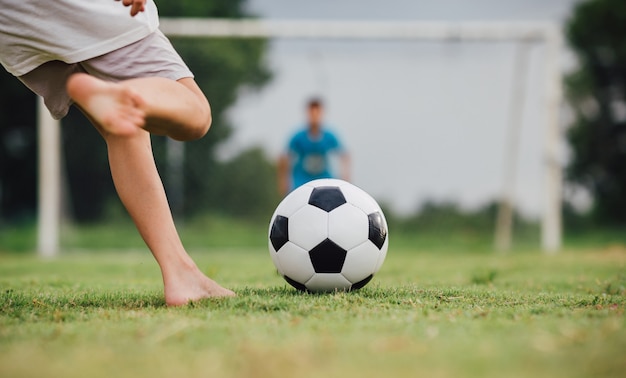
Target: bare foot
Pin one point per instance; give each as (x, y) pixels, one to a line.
(191, 287)
(116, 108)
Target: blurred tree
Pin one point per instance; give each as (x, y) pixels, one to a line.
(248, 186)
(18, 149)
(221, 68)
(194, 8)
(597, 92)
(445, 216)
(89, 185)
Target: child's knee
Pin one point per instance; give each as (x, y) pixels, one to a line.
(203, 122)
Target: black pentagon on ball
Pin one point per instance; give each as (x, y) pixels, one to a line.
(295, 283)
(327, 198)
(279, 233)
(327, 257)
(363, 282)
(377, 229)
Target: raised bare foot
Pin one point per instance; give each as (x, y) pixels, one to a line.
(192, 287)
(116, 108)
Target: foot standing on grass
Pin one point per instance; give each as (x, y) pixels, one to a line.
(123, 73)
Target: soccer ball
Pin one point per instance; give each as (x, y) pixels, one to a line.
(328, 235)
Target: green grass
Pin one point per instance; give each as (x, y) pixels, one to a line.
(429, 312)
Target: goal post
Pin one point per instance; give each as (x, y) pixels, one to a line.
(49, 190)
(545, 33)
(551, 225)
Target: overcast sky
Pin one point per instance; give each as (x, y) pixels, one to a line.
(422, 120)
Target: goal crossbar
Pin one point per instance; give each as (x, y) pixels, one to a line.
(462, 31)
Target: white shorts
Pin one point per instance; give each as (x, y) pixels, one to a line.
(153, 56)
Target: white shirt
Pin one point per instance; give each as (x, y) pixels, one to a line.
(33, 32)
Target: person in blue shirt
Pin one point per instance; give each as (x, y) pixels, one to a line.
(308, 155)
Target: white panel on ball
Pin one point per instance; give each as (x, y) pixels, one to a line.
(361, 261)
(297, 198)
(347, 226)
(295, 263)
(308, 227)
(324, 182)
(328, 282)
(360, 199)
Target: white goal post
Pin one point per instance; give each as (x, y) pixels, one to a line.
(544, 33)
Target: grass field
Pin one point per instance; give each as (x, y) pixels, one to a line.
(430, 312)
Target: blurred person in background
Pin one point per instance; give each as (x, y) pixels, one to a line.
(124, 74)
(309, 152)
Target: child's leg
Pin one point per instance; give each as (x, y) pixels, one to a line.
(122, 112)
(161, 106)
(140, 189)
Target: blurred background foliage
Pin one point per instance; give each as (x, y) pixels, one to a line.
(18, 149)
(596, 92)
(245, 186)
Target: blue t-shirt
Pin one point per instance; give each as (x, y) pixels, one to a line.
(310, 155)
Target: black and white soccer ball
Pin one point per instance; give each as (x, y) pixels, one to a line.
(328, 235)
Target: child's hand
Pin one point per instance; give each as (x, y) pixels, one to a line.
(136, 6)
